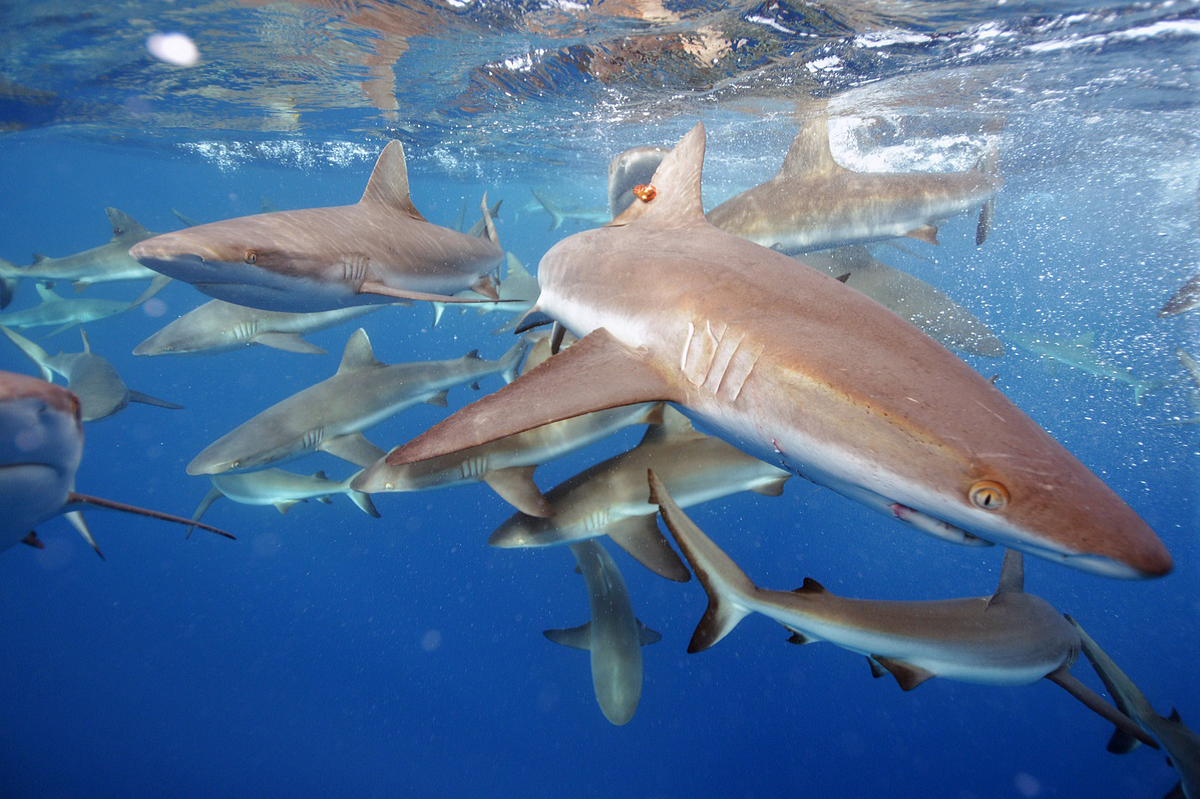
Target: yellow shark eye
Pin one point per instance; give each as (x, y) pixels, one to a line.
(988, 495)
(251, 256)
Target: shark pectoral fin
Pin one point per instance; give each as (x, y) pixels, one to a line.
(574, 637)
(486, 287)
(877, 671)
(1122, 743)
(212, 496)
(375, 287)
(438, 309)
(773, 488)
(33, 351)
(364, 502)
(60, 329)
(596, 373)
(640, 537)
(1069, 682)
(146, 399)
(107, 504)
(646, 636)
(157, 284)
(516, 487)
(33, 541)
(288, 342)
(925, 233)
(906, 674)
(439, 400)
(354, 448)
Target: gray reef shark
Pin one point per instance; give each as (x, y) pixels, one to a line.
(507, 464)
(91, 377)
(613, 635)
(332, 414)
(219, 326)
(1181, 743)
(914, 299)
(560, 213)
(804, 372)
(1008, 638)
(282, 489)
(63, 313)
(814, 202)
(1187, 298)
(611, 498)
(41, 445)
(1079, 353)
(378, 250)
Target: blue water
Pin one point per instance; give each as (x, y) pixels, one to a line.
(327, 653)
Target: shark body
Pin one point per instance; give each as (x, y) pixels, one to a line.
(1079, 354)
(613, 636)
(62, 313)
(378, 250)
(1187, 298)
(804, 372)
(41, 446)
(332, 414)
(1008, 638)
(282, 489)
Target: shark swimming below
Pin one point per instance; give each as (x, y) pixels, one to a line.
(803, 372)
(91, 377)
(282, 489)
(62, 313)
(613, 636)
(378, 250)
(332, 414)
(1079, 353)
(41, 445)
(1008, 638)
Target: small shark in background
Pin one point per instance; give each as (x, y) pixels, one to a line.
(219, 326)
(41, 445)
(1181, 743)
(813, 202)
(560, 213)
(103, 264)
(1187, 298)
(100, 390)
(1193, 370)
(1079, 353)
(613, 635)
(611, 498)
(378, 250)
(804, 372)
(507, 464)
(332, 414)
(910, 297)
(282, 489)
(63, 313)
(1008, 638)
(517, 293)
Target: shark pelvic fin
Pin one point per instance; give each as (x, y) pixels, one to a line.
(594, 374)
(1096, 703)
(389, 182)
(676, 198)
(907, 675)
(289, 342)
(33, 541)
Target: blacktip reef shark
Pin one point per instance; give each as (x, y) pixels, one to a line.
(1187, 298)
(62, 313)
(95, 381)
(1181, 743)
(507, 464)
(282, 489)
(814, 202)
(1079, 353)
(1008, 638)
(378, 250)
(804, 372)
(331, 415)
(613, 635)
(219, 326)
(41, 445)
(611, 497)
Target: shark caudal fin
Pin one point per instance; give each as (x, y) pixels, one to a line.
(596, 373)
(550, 207)
(725, 583)
(76, 499)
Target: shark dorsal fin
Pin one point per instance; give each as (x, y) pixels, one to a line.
(123, 224)
(676, 200)
(810, 151)
(321, 475)
(46, 293)
(388, 185)
(811, 587)
(358, 354)
(674, 425)
(1012, 573)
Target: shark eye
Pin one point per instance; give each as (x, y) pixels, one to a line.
(988, 495)
(251, 256)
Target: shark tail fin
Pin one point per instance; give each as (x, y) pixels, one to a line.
(35, 353)
(108, 504)
(1143, 387)
(724, 582)
(556, 215)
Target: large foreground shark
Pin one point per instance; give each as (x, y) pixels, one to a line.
(1008, 638)
(801, 371)
(41, 445)
(378, 250)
